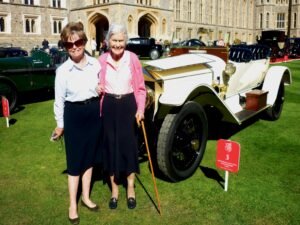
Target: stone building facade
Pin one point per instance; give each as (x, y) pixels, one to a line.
(26, 23)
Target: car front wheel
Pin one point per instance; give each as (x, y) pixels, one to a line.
(154, 54)
(182, 142)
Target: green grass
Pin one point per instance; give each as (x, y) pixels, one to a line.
(265, 191)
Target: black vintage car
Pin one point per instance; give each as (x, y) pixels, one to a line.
(293, 47)
(275, 39)
(145, 47)
(28, 73)
(191, 43)
(7, 50)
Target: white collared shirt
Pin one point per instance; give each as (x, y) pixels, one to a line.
(74, 84)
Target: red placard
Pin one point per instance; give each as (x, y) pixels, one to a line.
(228, 155)
(5, 107)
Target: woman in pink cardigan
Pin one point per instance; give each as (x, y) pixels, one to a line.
(122, 108)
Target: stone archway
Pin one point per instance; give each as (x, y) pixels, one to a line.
(147, 26)
(98, 28)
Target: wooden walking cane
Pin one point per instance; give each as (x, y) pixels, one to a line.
(151, 167)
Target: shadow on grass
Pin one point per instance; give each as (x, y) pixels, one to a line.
(212, 174)
(33, 97)
(97, 175)
(147, 193)
(12, 121)
(218, 129)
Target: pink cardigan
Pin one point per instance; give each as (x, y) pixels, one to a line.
(138, 83)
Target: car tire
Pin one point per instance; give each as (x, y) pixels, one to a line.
(154, 54)
(8, 90)
(182, 142)
(273, 113)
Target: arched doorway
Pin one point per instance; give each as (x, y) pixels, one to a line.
(98, 28)
(147, 26)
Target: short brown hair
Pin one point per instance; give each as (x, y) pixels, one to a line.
(70, 29)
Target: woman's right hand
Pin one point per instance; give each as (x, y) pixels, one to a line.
(57, 133)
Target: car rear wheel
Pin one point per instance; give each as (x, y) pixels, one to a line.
(182, 142)
(273, 113)
(154, 54)
(8, 90)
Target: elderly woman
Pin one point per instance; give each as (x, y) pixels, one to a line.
(123, 91)
(77, 113)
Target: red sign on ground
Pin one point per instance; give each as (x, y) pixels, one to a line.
(5, 107)
(228, 155)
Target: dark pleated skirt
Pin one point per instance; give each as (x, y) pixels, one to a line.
(82, 130)
(120, 152)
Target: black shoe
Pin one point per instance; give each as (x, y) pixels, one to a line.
(93, 209)
(113, 203)
(131, 203)
(74, 221)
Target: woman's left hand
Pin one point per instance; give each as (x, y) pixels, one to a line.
(139, 117)
(99, 89)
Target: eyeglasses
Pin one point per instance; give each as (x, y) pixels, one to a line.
(77, 43)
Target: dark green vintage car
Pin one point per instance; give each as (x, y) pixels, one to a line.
(28, 73)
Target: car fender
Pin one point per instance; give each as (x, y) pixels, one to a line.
(6, 79)
(205, 95)
(272, 80)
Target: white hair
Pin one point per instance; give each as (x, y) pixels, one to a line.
(116, 29)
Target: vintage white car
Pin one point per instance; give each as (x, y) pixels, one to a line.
(184, 90)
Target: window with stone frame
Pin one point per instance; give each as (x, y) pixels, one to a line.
(130, 24)
(57, 25)
(190, 30)
(280, 20)
(29, 2)
(97, 2)
(32, 24)
(5, 26)
(2, 24)
(200, 11)
(268, 20)
(3, 20)
(178, 34)
(144, 2)
(177, 10)
(56, 3)
(164, 26)
(189, 11)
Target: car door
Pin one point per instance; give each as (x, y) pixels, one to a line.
(18, 70)
(43, 70)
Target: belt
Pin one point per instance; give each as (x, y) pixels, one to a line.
(117, 96)
(85, 102)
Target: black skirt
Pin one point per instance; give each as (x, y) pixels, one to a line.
(82, 130)
(120, 151)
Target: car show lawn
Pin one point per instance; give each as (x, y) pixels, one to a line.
(266, 190)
